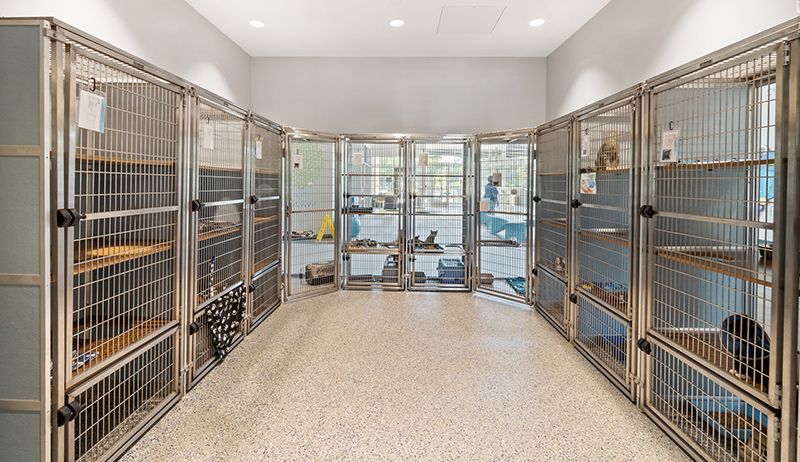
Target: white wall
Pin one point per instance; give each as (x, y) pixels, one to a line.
(630, 41)
(408, 95)
(167, 33)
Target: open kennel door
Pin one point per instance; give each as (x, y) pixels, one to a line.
(312, 214)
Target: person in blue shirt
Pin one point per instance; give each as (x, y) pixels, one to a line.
(491, 193)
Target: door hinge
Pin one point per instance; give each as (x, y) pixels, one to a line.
(68, 413)
(67, 218)
(787, 53)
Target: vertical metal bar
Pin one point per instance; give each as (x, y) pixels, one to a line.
(790, 122)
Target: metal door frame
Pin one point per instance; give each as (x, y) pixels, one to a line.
(318, 137)
(565, 329)
(257, 122)
(529, 135)
(467, 142)
(402, 142)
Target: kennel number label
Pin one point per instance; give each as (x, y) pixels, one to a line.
(92, 111)
(669, 146)
(259, 150)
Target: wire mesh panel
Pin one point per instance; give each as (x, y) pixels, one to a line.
(373, 270)
(552, 160)
(220, 190)
(714, 183)
(124, 179)
(267, 294)
(719, 422)
(312, 251)
(438, 214)
(374, 194)
(606, 337)
(267, 156)
(603, 208)
(122, 402)
(551, 299)
(503, 174)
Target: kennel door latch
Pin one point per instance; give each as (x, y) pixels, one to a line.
(68, 412)
(645, 346)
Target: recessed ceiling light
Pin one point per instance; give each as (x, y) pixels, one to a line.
(396, 23)
(536, 22)
(257, 24)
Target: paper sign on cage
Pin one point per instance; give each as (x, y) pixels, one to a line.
(422, 160)
(92, 111)
(669, 146)
(259, 149)
(297, 161)
(586, 144)
(589, 183)
(497, 178)
(208, 135)
(358, 159)
(484, 205)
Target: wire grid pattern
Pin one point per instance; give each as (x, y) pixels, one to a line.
(438, 190)
(131, 165)
(123, 283)
(503, 223)
(219, 250)
(604, 336)
(267, 169)
(204, 352)
(266, 233)
(116, 405)
(550, 298)
(374, 158)
(552, 159)
(373, 269)
(267, 292)
(603, 222)
(714, 226)
(220, 152)
(439, 271)
(308, 253)
(725, 425)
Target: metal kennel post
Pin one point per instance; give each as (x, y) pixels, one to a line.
(265, 161)
(554, 148)
(715, 220)
(374, 191)
(504, 162)
(604, 234)
(440, 181)
(312, 214)
(218, 260)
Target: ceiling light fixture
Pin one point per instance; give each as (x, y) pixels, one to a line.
(257, 24)
(396, 23)
(536, 22)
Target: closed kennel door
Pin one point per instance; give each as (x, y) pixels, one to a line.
(312, 218)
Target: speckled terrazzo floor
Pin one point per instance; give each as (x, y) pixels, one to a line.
(404, 376)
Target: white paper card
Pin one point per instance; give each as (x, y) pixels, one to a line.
(497, 178)
(422, 160)
(669, 146)
(297, 161)
(586, 142)
(589, 183)
(484, 205)
(208, 135)
(92, 111)
(358, 159)
(259, 152)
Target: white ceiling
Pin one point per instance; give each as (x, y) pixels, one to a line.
(435, 28)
